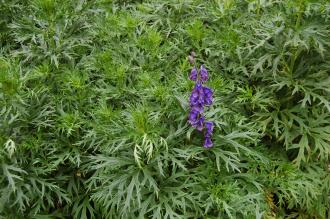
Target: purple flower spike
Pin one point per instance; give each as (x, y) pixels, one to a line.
(200, 97)
(193, 74)
(208, 142)
(204, 74)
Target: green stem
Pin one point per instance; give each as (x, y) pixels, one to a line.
(299, 14)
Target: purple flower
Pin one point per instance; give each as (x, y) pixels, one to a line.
(193, 74)
(198, 107)
(208, 142)
(193, 100)
(209, 130)
(204, 74)
(209, 127)
(200, 123)
(195, 95)
(196, 119)
(193, 115)
(208, 96)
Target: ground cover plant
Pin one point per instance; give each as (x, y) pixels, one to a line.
(95, 104)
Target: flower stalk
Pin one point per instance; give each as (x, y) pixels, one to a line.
(201, 97)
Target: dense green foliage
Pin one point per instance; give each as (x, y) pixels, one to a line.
(94, 104)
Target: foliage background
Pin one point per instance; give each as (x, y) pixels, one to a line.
(93, 117)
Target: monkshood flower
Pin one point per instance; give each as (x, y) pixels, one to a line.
(209, 127)
(204, 74)
(200, 97)
(193, 74)
(208, 134)
(208, 96)
(208, 142)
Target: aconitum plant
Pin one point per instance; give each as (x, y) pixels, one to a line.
(200, 98)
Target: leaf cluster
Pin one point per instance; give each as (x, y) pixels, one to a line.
(93, 117)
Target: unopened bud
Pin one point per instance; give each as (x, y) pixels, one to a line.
(191, 60)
